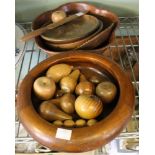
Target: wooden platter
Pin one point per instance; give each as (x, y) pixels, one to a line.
(72, 31)
(75, 44)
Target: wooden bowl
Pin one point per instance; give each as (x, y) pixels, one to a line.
(111, 121)
(72, 31)
(107, 18)
(75, 44)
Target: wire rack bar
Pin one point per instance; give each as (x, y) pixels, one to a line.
(128, 33)
(133, 75)
(132, 26)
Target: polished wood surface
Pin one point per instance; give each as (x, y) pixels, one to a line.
(76, 44)
(97, 40)
(107, 18)
(74, 30)
(86, 138)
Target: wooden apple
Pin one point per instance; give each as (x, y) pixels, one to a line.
(44, 88)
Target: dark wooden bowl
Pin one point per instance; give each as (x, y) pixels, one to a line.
(72, 31)
(107, 18)
(111, 122)
(76, 44)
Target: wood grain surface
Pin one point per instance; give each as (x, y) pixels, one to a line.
(86, 138)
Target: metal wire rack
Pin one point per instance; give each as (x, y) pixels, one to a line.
(124, 50)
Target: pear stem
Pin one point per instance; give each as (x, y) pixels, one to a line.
(75, 74)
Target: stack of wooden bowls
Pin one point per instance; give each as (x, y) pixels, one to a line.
(93, 31)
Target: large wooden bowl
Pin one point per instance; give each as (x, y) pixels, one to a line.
(112, 120)
(105, 16)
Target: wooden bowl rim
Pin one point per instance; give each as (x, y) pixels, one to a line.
(82, 139)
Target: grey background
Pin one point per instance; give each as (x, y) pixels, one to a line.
(27, 10)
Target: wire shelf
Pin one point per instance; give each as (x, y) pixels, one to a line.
(124, 50)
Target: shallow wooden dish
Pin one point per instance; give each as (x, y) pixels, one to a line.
(107, 18)
(72, 31)
(112, 121)
(75, 44)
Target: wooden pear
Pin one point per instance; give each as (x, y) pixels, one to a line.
(50, 112)
(84, 87)
(69, 82)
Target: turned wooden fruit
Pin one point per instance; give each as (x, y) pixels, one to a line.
(68, 83)
(58, 15)
(58, 71)
(88, 106)
(50, 112)
(44, 88)
(84, 87)
(106, 91)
